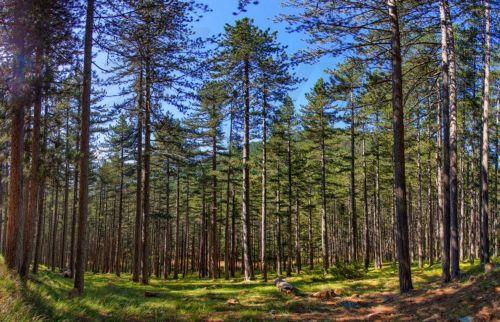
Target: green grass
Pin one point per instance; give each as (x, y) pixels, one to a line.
(112, 298)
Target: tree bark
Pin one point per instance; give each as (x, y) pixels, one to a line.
(245, 218)
(17, 104)
(138, 203)
(405, 283)
(147, 174)
(177, 223)
(485, 247)
(84, 151)
(264, 191)
(445, 146)
(35, 167)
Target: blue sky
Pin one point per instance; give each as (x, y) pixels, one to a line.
(263, 14)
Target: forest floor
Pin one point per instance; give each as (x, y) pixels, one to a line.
(373, 296)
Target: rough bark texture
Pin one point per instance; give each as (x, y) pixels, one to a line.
(405, 283)
(138, 203)
(445, 234)
(84, 151)
(245, 213)
(485, 249)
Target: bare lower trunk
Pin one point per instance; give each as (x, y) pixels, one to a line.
(485, 247)
(405, 283)
(245, 214)
(84, 152)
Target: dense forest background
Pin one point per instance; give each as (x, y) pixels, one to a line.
(392, 157)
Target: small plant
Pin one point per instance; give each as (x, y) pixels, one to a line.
(342, 270)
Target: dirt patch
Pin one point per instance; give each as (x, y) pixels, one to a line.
(478, 299)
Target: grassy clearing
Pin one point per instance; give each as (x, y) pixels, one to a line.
(112, 298)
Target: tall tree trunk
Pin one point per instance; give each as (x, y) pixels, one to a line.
(35, 167)
(485, 247)
(263, 227)
(289, 209)
(136, 271)
(405, 283)
(454, 242)
(298, 260)
(75, 201)
(62, 258)
(227, 230)
(167, 237)
(147, 174)
(446, 146)
(420, 218)
(84, 151)
(354, 219)
(310, 231)
(213, 232)
(177, 222)
(430, 212)
(245, 218)
(55, 222)
(324, 229)
(119, 251)
(365, 202)
(17, 104)
(378, 219)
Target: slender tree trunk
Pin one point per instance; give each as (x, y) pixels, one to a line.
(310, 231)
(213, 232)
(420, 218)
(354, 219)
(84, 152)
(264, 191)
(147, 174)
(429, 203)
(119, 250)
(289, 209)
(298, 260)
(324, 229)
(365, 202)
(177, 223)
(55, 222)
(62, 258)
(138, 203)
(453, 203)
(245, 218)
(446, 146)
(75, 202)
(227, 230)
(405, 283)
(485, 247)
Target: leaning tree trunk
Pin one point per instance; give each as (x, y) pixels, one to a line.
(405, 283)
(84, 152)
